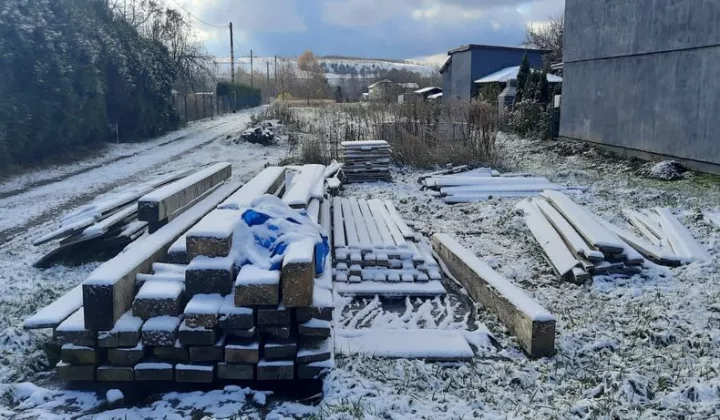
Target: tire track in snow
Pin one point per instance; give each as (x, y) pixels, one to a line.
(25, 206)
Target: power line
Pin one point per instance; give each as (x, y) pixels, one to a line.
(197, 18)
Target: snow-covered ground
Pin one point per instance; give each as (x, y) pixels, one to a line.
(644, 347)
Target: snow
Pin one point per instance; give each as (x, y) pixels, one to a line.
(326, 346)
(218, 224)
(470, 180)
(228, 307)
(249, 346)
(595, 234)
(169, 268)
(53, 314)
(114, 396)
(300, 252)
(202, 262)
(160, 289)
(276, 363)
(316, 323)
(667, 170)
(549, 239)
(364, 144)
(371, 288)
(510, 73)
(127, 323)
(655, 328)
(300, 192)
(75, 322)
(253, 189)
(200, 368)
(252, 275)
(162, 323)
(117, 268)
(179, 246)
(680, 238)
(204, 304)
(153, 366)
(410, 344)
(141, 278)
(101, 227)
(171, 189)
(322, 298)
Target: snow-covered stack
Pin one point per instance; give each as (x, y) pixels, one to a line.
(376, 252)
(579, 244)
(461, 185)
(366, 161)
(113, 222)
(254, 303)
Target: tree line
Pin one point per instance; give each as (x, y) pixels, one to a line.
(73, 69)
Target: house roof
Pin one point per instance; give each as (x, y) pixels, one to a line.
(379, 83)
(493, 47)
(411, 85)
(446, 65)
(509, 73)
(427, 89)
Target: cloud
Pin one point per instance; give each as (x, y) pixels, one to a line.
(251, 15)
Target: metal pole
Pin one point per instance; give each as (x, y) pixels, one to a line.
(268, 80)
(232, 56)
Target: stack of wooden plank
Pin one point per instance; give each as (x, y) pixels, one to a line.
(578, 244)
(461, 185)
(366, 161)
(112, 223)
(138, 319)
(662, 230)
(377, 253)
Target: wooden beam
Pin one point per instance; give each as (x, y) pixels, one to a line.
(109, 290)
(163, 202)
(532, 324)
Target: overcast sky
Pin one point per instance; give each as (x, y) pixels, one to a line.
(399, 29)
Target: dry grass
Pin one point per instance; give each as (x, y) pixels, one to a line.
(421, 134)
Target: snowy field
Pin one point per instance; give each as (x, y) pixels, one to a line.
(643, 347)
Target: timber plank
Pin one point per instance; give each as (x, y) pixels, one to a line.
(533, 325)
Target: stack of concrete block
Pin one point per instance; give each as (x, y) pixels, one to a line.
(374, 246)
(211, 319)
(366, 161)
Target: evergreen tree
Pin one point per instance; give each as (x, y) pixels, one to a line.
(543, 89)
(338, 94)
(522, 78)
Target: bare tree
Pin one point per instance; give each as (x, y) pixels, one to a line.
(154, 20)
(548, 36)
(314, 74)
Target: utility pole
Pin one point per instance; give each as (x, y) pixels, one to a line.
(232, 56)
(275, 79)
(251, 69)
(268, 80)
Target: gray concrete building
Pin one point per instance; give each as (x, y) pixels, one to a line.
(642, 77)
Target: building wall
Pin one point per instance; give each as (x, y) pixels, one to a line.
(640, 76)
(468, 66)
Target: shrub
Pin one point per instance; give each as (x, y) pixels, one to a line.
(242, 96)
(530, 119)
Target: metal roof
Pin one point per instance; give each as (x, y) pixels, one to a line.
(427, 89)
(502, 76)
(493, 47)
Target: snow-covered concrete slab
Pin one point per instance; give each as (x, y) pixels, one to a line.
(391, 289)
(161, 203)
(436, 345)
